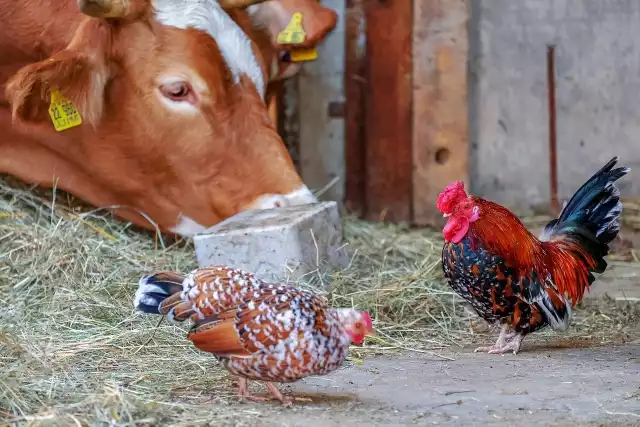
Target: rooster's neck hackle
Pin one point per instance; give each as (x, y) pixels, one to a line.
(499, 231)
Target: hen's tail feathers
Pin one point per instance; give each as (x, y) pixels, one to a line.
(155, 289)
(591, 218)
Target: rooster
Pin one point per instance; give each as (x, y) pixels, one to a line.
(257, 330)
(512, 277)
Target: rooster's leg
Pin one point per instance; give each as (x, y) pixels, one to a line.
(243, 391)
(287, 400)
(506, 342)
(513, 344)
(503, 340)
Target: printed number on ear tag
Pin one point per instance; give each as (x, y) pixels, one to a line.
(293, 33)
(63, 114)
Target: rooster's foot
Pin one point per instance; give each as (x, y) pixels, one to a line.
(512, 343)
(504, 337)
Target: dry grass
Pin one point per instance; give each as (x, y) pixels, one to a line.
(72, 350)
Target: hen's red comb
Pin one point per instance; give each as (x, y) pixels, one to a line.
(368, 323)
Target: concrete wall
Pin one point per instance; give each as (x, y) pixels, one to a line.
(321, 138)
(598, 98)
(598, 93)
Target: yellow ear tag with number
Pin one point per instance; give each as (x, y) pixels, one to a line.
(63, 114)
(302, 55)
(293, 33)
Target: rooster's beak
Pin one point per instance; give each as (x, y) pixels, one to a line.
(444, 215)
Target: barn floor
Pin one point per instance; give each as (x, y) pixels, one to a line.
(74, 352)
(543, 385)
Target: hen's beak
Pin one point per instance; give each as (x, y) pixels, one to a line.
(446, 215)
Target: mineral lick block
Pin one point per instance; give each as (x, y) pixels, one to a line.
(278, 244)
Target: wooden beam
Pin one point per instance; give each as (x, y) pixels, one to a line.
(440, 135)
(388, 115)
(355, 86)
(290, 119)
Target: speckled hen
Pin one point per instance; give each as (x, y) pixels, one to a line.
(257, 330)
(523, 282)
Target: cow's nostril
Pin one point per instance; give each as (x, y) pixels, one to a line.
(271, 201)
(280, 202)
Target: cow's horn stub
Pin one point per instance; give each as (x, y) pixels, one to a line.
(237, 4)
(106, 8)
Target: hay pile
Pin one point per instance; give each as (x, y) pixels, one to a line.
(73, 351)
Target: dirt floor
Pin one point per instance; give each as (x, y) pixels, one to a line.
(74, 352)
(542, 385)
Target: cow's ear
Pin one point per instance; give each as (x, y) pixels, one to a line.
(79, 73)
(317, 20)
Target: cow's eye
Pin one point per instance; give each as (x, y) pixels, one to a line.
(177, 91)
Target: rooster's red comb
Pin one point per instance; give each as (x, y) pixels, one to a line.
(452, 193)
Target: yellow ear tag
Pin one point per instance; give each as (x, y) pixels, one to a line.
(293, 33)
(63, 114)
(302, 55)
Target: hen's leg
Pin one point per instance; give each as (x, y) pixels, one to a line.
(286, 400)
(503, 340)
(243, 391)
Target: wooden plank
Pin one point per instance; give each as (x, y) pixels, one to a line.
(355, 86)
(388, 115)
(440, 128)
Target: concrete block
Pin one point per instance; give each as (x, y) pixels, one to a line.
(277, 244)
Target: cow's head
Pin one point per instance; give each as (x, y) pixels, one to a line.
(174, 121)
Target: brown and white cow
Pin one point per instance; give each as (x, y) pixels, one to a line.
(171, 93)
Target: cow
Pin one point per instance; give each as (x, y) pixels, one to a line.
(174, 133)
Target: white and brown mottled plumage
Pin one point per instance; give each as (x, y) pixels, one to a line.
(257, 330)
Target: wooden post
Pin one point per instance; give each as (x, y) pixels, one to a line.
(355, 89)
(440, 128)
(406, 106)
(388, 115)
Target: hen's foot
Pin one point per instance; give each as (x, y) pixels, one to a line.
(286, 400)
(243, 392)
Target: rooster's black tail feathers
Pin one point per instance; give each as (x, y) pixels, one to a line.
(592, 215)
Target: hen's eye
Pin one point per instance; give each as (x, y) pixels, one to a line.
(358, 325)
(178, 91)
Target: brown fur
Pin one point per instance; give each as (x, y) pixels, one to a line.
(130, 151)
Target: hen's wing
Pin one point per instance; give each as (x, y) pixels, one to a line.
(275, 322)
(210, 291)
